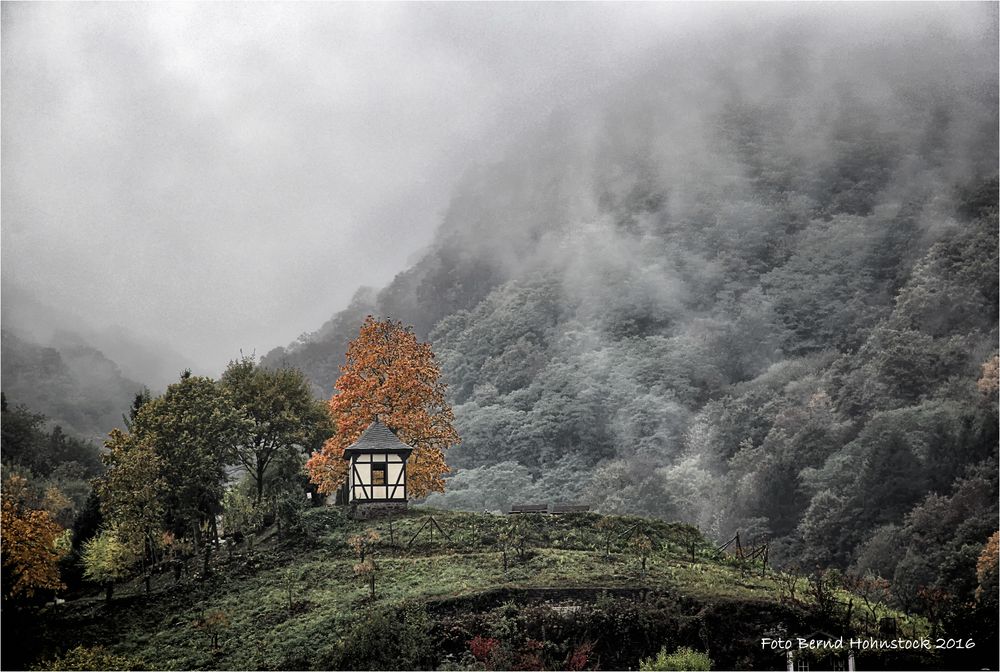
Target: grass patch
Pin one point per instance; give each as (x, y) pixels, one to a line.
(288, 603)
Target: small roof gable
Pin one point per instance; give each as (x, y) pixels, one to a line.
(377, 439)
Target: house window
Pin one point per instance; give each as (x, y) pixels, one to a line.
(378, 474)
(802, 665)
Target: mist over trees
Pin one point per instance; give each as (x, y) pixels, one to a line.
(74, 385)
(754, 291)
(150, 361)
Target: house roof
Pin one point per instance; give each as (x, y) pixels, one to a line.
(377, 439)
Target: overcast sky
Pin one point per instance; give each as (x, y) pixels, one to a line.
(225, 176)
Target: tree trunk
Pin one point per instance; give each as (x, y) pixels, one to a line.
(208, 557)
(373, 585)
(260, 483)
(148, 552)
(146, 581)
(194, 538)
(109, 589)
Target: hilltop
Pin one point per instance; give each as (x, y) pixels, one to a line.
(444, 601)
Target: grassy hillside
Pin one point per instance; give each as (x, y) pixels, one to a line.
(295, 603)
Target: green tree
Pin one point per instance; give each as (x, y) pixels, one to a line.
(107, 559)
(132, 492)
(141, 399)
(192, 429)
(241, 516)
(642, 546)
(282, 417)
(683, 658)
(285, 483)
(25, 442)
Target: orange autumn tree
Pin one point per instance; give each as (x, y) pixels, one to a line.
(30, 545)
(389, 375)
(986, 568)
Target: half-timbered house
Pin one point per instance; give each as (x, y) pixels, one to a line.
(377, 470)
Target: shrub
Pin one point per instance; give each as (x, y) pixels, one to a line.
(386, 639)
(526, 655)
(91, 658)
(214, 624)
(580, 657)
(481, 647)
(683, 658)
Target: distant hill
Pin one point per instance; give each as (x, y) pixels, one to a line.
(447, 602)
(75, 386)
(153, 362)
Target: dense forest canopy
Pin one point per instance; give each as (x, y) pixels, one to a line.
(754, 291)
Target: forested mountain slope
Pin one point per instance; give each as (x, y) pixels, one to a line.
(751, 294)
(75, 385)
(149, 360)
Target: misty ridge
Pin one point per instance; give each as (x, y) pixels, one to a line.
(658, 180)
(749, 285)
(54, 362)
